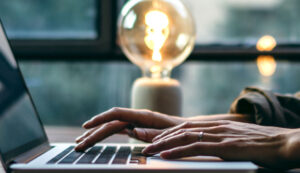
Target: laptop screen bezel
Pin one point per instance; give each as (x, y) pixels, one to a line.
(9, 157)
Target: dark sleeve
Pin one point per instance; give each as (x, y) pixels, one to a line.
(268, 108)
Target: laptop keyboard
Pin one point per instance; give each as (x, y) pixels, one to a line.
(101, 155)
(89, 156)
(122, 155)
(60, 155)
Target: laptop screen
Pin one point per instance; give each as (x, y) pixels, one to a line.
(20, 127)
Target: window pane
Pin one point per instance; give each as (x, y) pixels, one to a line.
(237, 21)
(68, 93)
(49, 19)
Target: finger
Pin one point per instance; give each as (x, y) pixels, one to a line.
(123, 132)
(189, 125)
(213, 130)
(86, 134)
(121, 114)
(145, 134)
(101, 133)
(195, 149)
(180, 140)
(89, 132)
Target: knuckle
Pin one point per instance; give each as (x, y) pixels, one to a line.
(181, 131)
(146, 111)
(163, 143)
(109, 124)
(186, 135)
(187, 124)
(223, 127)
(219, 138)
(166, 131)
(223, 122)
(115, 109)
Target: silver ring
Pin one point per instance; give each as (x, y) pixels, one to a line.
(200, 136)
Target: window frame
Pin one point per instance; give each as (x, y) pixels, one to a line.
(72, 48)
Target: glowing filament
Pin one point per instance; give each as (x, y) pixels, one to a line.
(157, 32)
(266, 65)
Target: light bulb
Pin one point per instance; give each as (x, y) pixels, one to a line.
(266, 63)
(266, 43)
(156, 35)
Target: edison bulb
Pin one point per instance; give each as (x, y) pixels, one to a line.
(156, 35)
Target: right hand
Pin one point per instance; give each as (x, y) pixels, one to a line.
(117, 120)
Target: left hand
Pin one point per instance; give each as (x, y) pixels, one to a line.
(140, 124)
(266, 146)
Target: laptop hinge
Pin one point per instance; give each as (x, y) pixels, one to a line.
(33, 153)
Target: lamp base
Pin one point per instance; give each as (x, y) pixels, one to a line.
(158, 95)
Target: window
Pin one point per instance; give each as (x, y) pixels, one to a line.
(59, 28)
(50, 19)
(62, 49)
(244, 22)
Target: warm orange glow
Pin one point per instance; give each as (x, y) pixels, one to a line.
(155, 69)
(266, 65)
(157, 32)
(266, 43)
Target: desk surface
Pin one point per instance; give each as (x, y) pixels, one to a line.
(68, 134)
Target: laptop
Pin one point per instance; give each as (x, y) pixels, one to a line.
(24, 146)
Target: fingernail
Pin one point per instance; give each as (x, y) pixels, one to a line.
(78, 139)
(80, 146)
(85, 125)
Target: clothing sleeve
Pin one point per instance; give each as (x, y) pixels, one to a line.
(268, 108)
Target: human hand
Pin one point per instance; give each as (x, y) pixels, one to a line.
(266, 146)
(122, 120)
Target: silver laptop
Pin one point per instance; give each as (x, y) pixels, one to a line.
(24, 146)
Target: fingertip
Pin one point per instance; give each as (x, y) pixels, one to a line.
(87, 125)
(165, 154)
(78, 148)
(81, 146)
(77, 140)
(144, 151)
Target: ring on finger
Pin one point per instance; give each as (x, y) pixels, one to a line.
(200, 136)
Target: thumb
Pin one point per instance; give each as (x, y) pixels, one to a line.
(145, 134)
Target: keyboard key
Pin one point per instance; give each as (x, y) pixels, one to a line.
(88, 157)
(137, 156)
(71, 158)
(106, 155)
(138, 149)
(60, 155)
(122, 155)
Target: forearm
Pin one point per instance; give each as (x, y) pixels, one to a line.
(232, 117)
